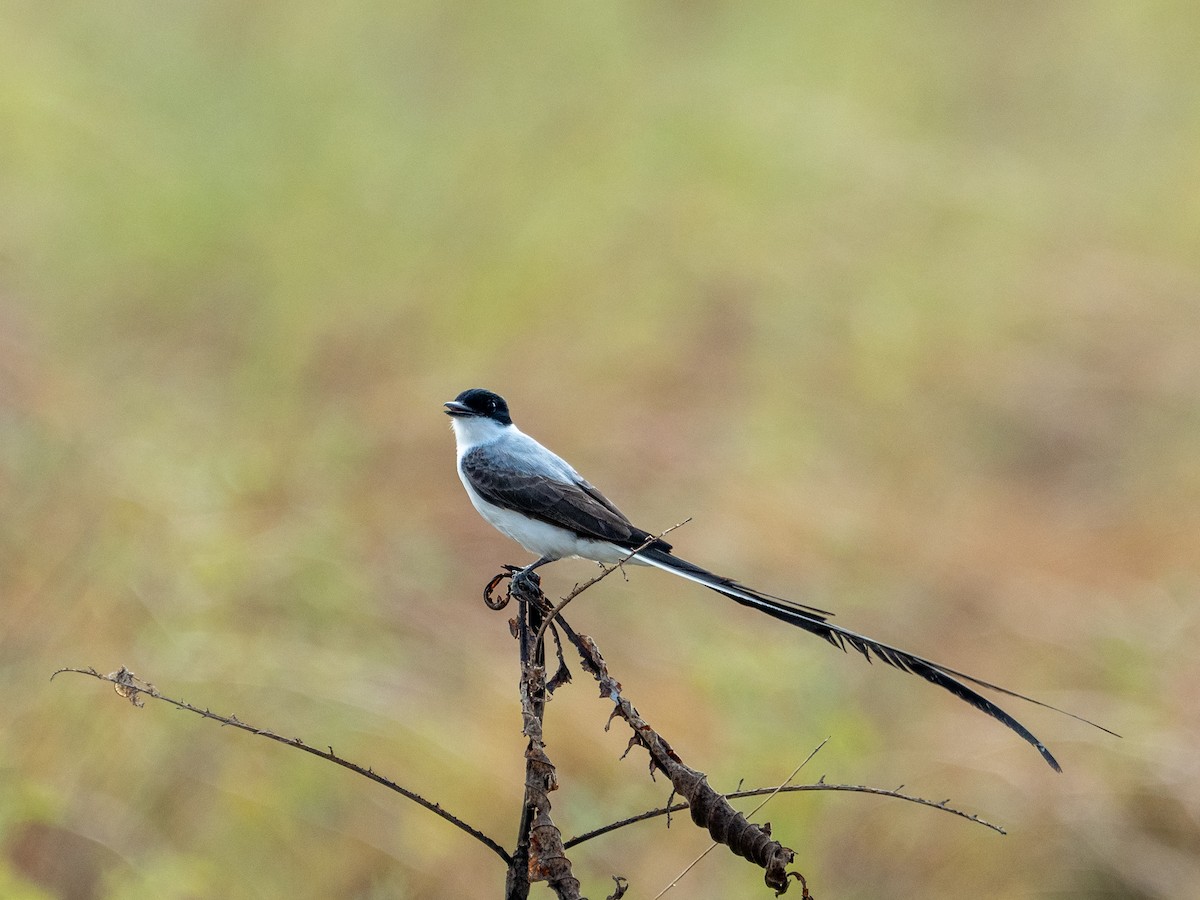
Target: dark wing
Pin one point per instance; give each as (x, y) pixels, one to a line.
(575, 506)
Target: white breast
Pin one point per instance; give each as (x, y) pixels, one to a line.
(537, 537)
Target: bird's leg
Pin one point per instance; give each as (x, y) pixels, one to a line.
(525, 579)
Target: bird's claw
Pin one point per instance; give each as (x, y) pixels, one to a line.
(524, 580)
(519, 578)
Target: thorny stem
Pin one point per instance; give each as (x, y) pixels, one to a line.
(788, 789)
(130, 687)
(540, 854)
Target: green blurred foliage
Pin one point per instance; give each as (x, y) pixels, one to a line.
(899, 302)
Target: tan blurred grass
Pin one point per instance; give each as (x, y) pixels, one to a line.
(899, 303)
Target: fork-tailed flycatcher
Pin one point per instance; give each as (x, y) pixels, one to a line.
(536, 498)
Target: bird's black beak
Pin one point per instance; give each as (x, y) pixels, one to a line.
(454, 408)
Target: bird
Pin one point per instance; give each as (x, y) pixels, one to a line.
(535, 497)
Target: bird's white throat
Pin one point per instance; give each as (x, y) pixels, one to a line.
(472, 431)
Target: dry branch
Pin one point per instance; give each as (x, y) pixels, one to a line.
(541, 853)
(707, 807)
(131, 687)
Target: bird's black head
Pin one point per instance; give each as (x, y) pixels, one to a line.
(479, 403)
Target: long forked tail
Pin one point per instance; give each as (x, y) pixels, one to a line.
(814, 621)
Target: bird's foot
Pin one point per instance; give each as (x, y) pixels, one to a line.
(521, 579)
(524, 580)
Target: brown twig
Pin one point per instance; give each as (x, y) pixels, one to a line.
(707, 807)
(131, 688)
(787, 789)
(539, 855)
(713, 846)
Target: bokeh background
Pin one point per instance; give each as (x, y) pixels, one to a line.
(898, 301)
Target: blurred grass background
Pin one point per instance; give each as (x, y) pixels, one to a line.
(899, 302)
